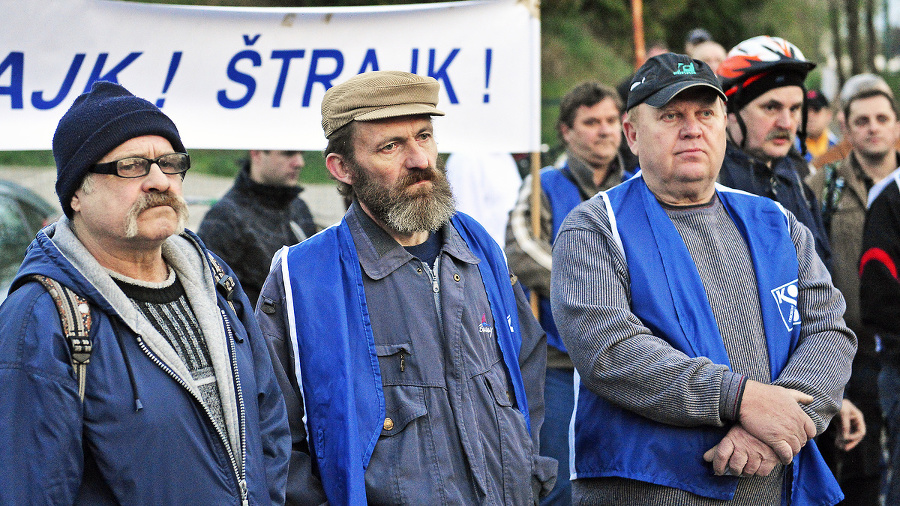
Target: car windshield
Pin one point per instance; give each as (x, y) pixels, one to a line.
(22, 214)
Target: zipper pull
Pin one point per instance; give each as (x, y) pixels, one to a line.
(402, 362)
(245, 501)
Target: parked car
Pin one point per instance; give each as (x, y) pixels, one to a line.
(22, 214)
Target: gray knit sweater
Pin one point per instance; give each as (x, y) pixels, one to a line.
(618, 359)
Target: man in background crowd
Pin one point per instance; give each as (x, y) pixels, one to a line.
(853, 86)
(710, 52)
(590, 128)
(818, 126)
(763, 79)
(872, 129)
(261, 213)
(879, 307)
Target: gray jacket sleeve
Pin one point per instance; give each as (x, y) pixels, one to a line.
(529, 256)
(820, 366)
(303, 485)
(533, 364)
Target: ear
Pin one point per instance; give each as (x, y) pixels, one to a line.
(564, 132)
(842, 123)
(339, 168)
(732, 128)
(75, 203)
(630, 135)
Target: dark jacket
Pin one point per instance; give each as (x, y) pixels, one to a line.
(250, 223)
(879, 285)
(54, 449)
(781, 183)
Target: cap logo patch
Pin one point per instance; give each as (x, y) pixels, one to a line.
(685, 69)
(635, 85)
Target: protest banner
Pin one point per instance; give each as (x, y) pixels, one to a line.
(253, 78)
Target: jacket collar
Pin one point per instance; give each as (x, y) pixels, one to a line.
(380, 255)
(584, 174)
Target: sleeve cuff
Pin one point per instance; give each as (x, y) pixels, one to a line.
(732, 393)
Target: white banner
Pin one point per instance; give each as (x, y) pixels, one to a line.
(253, 78)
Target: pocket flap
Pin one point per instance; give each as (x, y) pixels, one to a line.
(402, 404)
(386, 350)
(502, 395)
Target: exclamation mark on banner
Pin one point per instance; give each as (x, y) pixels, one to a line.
(173, 66)
(487, 74)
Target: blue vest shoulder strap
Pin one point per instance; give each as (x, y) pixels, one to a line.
(564, 196)
(562, 193)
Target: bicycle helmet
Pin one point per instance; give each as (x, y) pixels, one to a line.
(760, 64)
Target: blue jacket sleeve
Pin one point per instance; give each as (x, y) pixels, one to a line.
(41, 457)
(304, 485)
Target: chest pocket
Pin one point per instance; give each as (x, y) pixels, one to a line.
(396, 364)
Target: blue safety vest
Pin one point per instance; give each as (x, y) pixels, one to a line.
(564, 195)
(337, 367)
(669, 298)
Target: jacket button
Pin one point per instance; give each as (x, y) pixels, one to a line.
(456, 277)
(388, 424)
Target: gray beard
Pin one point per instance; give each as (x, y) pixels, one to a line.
(404, 213)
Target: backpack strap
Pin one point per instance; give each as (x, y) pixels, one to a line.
(75, 318)
(833, 190)
(224, 282)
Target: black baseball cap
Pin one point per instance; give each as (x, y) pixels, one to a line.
(662, 77)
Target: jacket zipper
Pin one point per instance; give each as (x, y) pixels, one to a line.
(242, 477)
(239, 473)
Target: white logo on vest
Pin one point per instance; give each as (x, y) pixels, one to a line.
(786, 298)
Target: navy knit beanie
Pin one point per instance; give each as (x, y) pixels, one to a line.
(97, 123)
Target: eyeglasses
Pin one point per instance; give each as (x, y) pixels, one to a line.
(138, 166)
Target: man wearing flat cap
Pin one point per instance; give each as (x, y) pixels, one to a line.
(168, 395)
(412, 366)
(704, 328)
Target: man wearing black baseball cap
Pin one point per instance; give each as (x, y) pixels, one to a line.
(704, 327)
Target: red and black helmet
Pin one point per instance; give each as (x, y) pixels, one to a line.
(760, 55)
(758, 65)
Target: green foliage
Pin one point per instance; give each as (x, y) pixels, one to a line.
(27, 158)
(572, 53)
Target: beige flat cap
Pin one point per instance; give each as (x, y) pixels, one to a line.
(379, 95)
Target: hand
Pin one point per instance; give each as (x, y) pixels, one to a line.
(741, 454)
(772, 414)
(853, 426)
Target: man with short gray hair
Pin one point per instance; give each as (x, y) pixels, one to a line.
(704, 327)
(412, 366)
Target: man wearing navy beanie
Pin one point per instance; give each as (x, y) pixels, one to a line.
(167, 395)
